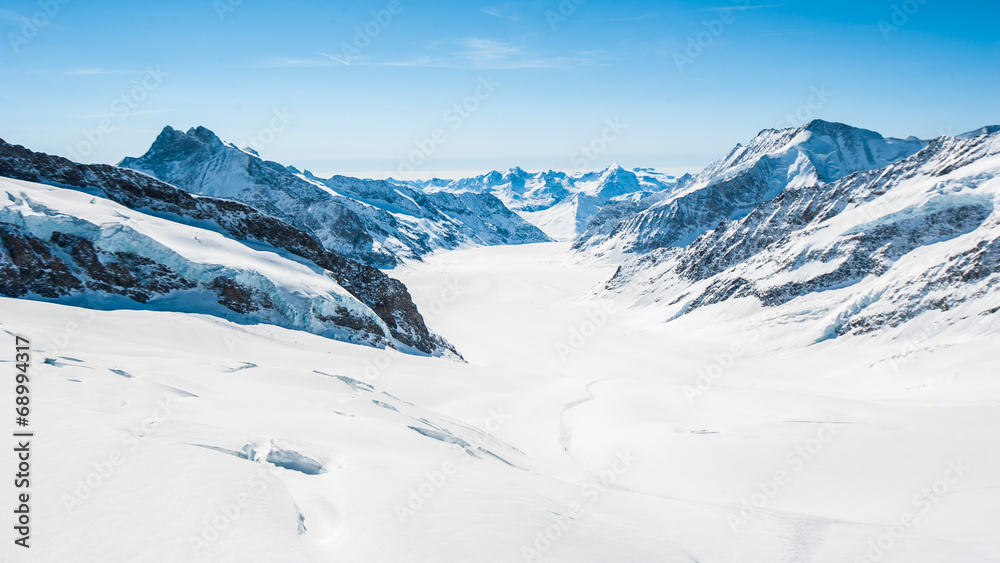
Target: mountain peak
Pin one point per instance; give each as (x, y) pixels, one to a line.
(987, 130)
(205, 135)
(837, 129)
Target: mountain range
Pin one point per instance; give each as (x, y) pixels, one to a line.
(375, 222)
(870, 231)
(816, 153)
(561, 204)
(863, 236)
(108, 237)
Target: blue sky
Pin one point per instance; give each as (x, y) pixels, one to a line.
(370, 87)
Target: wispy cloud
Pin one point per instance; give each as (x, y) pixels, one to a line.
(98, 71)
(292, 62)
(469, 53)
(786, 33)
(504, 11)
(490, 54)
(740, 8)
(9, 16)
(334, 58)
(419, 61)
(131, 114)
(485, 52)
(633, 18)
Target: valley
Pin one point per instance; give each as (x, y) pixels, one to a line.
(795, 452)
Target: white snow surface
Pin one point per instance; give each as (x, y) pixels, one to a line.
(920, 282)
(298, 290)
(140, 418)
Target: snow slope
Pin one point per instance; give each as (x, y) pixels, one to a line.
(869, 252)
(322, 446)
(814, 154)
(387, 297)
(66, 245)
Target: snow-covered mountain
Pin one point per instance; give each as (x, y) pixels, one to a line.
(373, 221)
(867, 252)
(558, 203)
(840, 325)
(816, 153)
(106, 237)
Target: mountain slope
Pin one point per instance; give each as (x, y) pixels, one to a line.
(372, 221)
(558, 203)
(871, 251)
(816, 153)
(80, 253)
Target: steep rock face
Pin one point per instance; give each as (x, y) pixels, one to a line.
(28, 265)
(775, 160)
(372, 221)
(387, 298)
(915, 236)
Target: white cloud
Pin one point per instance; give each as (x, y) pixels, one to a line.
(504, 11)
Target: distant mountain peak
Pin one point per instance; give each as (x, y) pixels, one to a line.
(987, 130)
(837, 129)
(204, 133)
(374, 221)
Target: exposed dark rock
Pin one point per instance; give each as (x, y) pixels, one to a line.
(28, 266)
(138, 279)
(753, 255)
